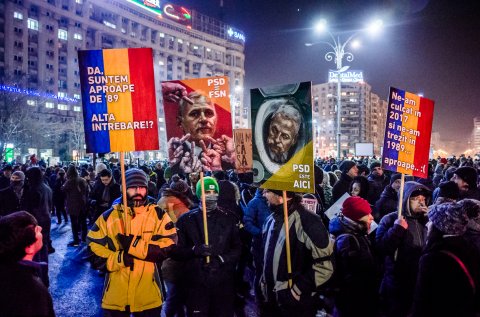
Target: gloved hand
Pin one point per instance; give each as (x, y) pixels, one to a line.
(127, 259)
(286, 298)
(214, 265)
(124, 241)
(203, 250)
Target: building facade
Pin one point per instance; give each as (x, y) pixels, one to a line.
(363, 118)
(39, 40)
(476, 135)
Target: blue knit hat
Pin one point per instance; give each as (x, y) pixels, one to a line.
(135, 177)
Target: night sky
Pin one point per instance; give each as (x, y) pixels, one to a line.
(428, 47)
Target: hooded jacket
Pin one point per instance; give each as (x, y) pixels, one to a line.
(310, 252)
(400, 274)
(256, 213)
(136, 286)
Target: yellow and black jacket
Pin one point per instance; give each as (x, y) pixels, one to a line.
(134, 287)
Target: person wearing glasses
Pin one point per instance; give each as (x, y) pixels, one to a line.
(401, 241)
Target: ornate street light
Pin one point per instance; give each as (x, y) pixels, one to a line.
(337, 54)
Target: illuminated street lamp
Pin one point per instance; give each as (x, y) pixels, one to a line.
(336, 55)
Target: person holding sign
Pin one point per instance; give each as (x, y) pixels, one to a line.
(132, 258)
(310, 254)
(197, 147)
(401, 242)
(209, 269)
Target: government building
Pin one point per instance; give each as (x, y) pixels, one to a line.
(39, 40)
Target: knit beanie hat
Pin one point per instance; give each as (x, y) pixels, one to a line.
(209, 184)
(449, 218)
(178, 185)
(395, 177)
(135, 177)
(167, 173)
(355, 208)
(100, 167)
(449, 190)
(345, 166)
(469, 175)
(19, 174)
(374, 165)
(443, 160)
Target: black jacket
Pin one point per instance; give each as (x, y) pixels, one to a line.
(401, 273)
(443, 287)
(387, 203)
(224, 238)
(377, 184)
(97, 193)
(341, 187)
(9, 201)
(356, 278)
(22, 292)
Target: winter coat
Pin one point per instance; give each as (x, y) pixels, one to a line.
(473, 193)
(76, 192)
(401, 273)
(438, 175)
(224, 239)
(58, 195)
(443, 287)
(9, 201)
(96, 194)
(152, 233)
(22, 292)
(256, 214)
(4, 181)
(473, 235)
(376, 187)
(327, 190)
(356, 277)
(341, 187)
(387, 203)
(310, 249)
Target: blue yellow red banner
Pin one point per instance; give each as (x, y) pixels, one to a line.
(408, 130)
(118, 97)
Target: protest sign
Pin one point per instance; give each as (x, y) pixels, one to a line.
(407, 133)
(199, 124)
(282, 137)
(310, 204)
(118, 98)
(243, 149)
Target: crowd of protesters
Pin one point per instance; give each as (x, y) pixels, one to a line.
(424, 263)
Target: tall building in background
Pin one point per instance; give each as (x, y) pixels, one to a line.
(39, 40)
(476, 135)
(363, 116)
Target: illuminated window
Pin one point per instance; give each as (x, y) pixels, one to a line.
(77, 36)
(179, 40)
(32, 24)
(77, 96)
(31, 102)
(77, 108)
(49, 105)
(162, 34)
(18, 15)
(62, 107)
(61, 94)
(79, 1)
(62, 34)
(110, 25)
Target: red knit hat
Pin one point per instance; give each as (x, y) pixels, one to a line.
(355, 208)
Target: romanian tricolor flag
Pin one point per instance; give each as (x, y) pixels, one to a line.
(118, 97)
(407, 133)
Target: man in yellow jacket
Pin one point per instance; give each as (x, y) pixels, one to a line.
(132, 260)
